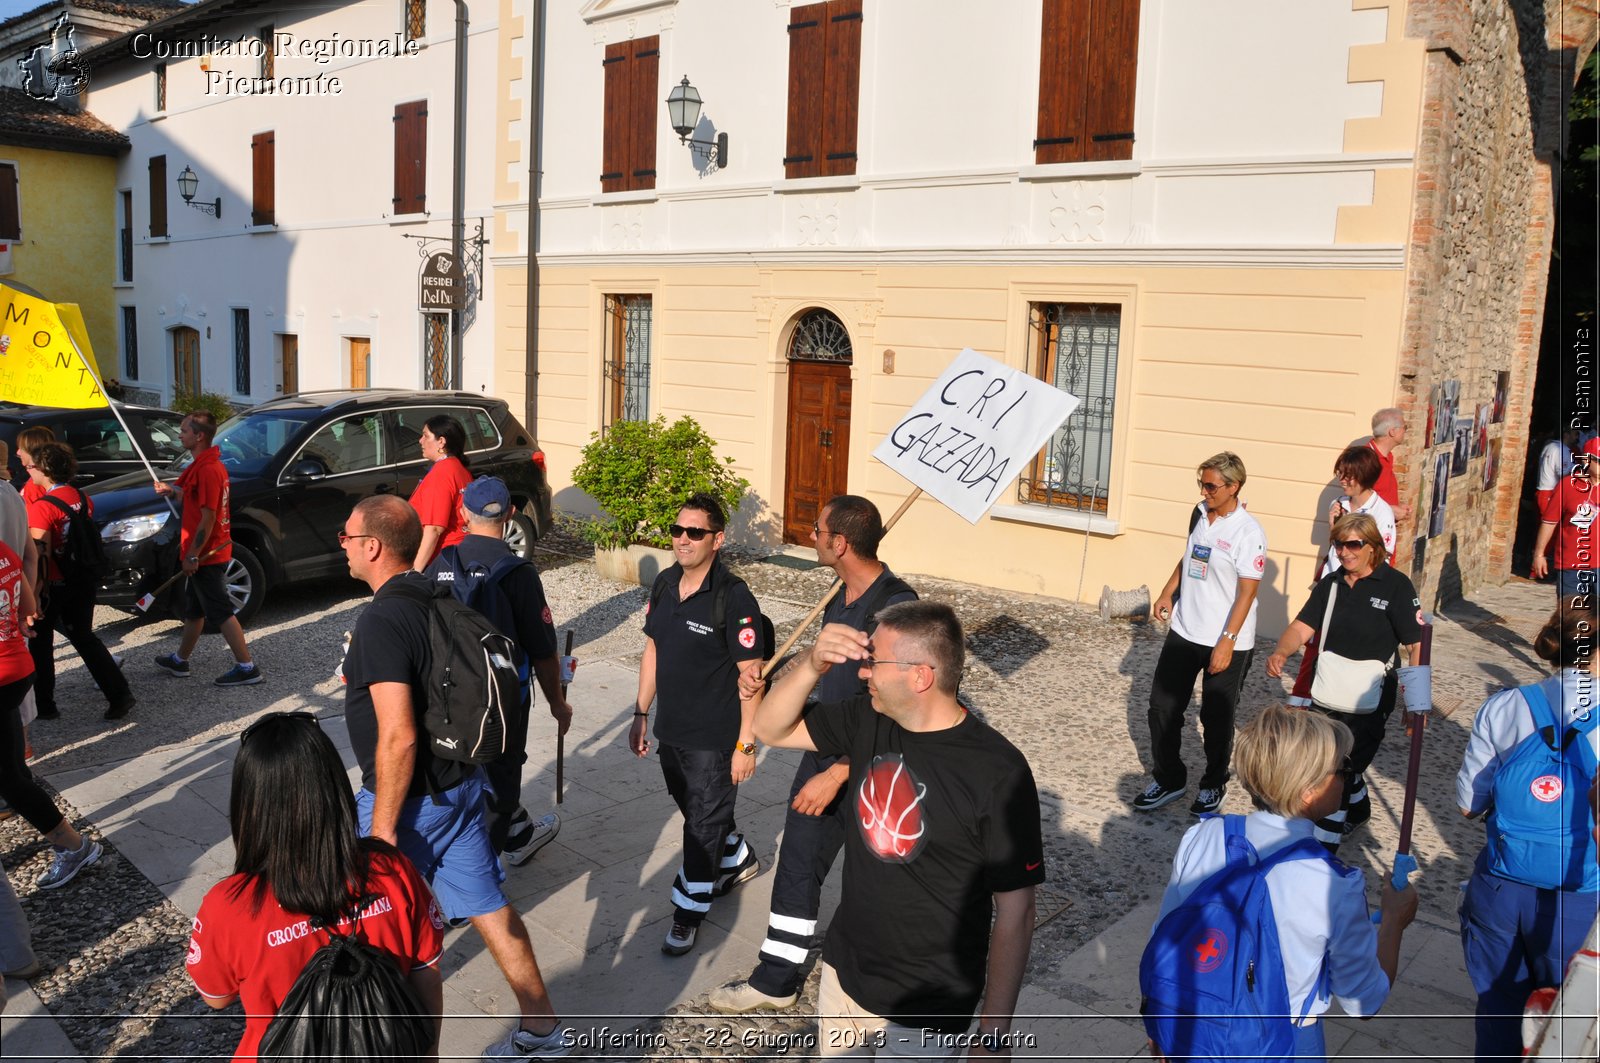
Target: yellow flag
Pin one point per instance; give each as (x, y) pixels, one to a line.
(39, 364)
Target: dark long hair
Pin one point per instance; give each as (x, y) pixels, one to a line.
(449, 430)
(293, 820)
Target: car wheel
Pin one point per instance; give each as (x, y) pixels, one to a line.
(245, 581)
(520, 536)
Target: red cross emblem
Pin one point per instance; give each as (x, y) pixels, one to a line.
(1547, 788)
(1208, 953)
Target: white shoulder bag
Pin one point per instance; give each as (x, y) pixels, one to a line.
(1342, 684)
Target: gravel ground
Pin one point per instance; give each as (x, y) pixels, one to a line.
(1069, 690)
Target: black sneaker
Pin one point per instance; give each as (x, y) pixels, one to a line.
(1207, 801)
(240, 675)
(1155, 795)
(170, 663)
(727, 883)
(121, 708)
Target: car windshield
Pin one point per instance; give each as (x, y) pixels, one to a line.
(249, 440)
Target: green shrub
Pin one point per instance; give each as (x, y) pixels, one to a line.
(190, 401)
(641, 471)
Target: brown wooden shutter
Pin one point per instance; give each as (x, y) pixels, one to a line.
(841, 88)
(158, 195)
(802, 156)
(1063, 55)
(10, 204)
(411, 157)
(1112, 69)
(263, 171)
(644, 111)
(617, 145)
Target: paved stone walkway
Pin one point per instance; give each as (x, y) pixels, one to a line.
(1067, 688)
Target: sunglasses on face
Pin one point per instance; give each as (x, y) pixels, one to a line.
(309, 717)
(694, 535)
(1349, 544)
(1209, 488)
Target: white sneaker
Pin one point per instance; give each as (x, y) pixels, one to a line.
(521, 846)
(680, 939)
(523, 1044)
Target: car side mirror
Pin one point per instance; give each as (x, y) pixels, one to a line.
(307, 470)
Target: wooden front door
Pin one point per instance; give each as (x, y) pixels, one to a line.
(360, 362)
(185, 361)
(819, 444)
(288, 364)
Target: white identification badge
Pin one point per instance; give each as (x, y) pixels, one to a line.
(1199, 561)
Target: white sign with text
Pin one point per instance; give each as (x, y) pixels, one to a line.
(973, 431)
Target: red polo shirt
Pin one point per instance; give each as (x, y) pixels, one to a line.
(1388, 487)
(1573, 508)
(204, 485)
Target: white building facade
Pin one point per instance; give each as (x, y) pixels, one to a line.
(319, 141)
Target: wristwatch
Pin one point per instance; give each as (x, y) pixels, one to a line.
(993, 1041)
(1231, 636)
(747, 748)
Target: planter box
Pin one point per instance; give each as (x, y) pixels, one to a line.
(635, 564)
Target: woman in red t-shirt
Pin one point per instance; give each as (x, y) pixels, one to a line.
(300, 866)
(437, 498)
(70, 600)
(73, 851)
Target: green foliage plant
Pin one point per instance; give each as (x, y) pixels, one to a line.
(190, 401)
(641, 471)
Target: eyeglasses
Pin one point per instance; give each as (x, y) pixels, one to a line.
(818, 529)
(1349, 544)
(694, 535)
(309, 717)
(29, 467)
(872, 662)
(345, 537)
(1209, 488)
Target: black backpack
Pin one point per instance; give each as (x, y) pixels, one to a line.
(481, 587)
(349, 1002)
(82, 556)
(719, 611)
(473, 682)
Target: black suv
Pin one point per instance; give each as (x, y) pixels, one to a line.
(100, 441)
(296, 465)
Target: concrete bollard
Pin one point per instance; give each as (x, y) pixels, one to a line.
(1125, 605)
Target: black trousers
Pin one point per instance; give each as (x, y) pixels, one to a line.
(1180, 662)
(1367, 730)
(70, 611)
(504, 774)
(701, 783)
(17, 784)
(810, 846)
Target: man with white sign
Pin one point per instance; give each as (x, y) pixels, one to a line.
(1213, 631)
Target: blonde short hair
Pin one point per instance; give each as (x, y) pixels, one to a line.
(1227, 465)
(1284, 752)
(1361, 526)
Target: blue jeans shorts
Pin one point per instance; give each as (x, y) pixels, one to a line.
(449, 844)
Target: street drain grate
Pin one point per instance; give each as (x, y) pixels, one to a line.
(1048, 904)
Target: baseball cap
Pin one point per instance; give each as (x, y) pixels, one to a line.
(1592, 448)
(487, 497)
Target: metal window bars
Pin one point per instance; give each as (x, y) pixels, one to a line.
(627, 357)
(1074, 347)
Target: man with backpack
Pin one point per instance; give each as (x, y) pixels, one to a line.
(482, 572)
(846, 534)
(429, 805)
(703, 630)
(205, 546)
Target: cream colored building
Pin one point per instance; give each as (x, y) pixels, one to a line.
(1216, 260)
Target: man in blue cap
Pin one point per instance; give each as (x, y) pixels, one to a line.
(485, 574)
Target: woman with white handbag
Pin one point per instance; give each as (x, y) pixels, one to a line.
(1362, 615)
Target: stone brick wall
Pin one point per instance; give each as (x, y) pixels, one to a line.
(1478, 263)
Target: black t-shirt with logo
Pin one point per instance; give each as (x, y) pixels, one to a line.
(697, 672)
(390, 645)
(939, 822)
(1370, 619)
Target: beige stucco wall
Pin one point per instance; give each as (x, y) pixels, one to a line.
(1284, 366)
(69, 236)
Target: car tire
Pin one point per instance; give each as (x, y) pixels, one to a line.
(246, 582)
(520, 535)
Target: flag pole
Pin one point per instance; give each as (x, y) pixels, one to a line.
(100, 385)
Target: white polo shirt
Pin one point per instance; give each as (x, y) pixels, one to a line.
(1382, 513)
(1554, 462)
(1216, 557)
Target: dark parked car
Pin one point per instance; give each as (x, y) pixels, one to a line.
(296, 466)
(103, 446)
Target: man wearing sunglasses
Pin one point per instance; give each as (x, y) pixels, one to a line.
(693, 659)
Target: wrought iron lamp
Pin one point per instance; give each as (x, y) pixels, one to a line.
(187, 183)
(683, 111)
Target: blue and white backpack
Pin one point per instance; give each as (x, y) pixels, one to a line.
(1541, 828)
(1212, 975)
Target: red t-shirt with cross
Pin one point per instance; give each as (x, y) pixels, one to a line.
(46, 516)
(204, 485)
(15, 661)
(1573, 507)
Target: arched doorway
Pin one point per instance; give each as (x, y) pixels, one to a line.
(818, 449)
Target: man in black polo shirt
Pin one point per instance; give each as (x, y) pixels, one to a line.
(430, 809)
(702, 629)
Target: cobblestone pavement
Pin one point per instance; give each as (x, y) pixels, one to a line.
(1067, 688)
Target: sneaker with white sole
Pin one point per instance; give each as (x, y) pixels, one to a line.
(741, 997)
(1208, 800)
(240, 675)
(67, 863)
(170, 663)
(1155, 795)
(525, 1044)
(529, 839)
(727, 883)
(680, 939)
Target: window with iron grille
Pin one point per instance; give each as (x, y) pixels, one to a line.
(241, 351)
(627, 358)
(1074, 347)
(161, 86)
(130, 343)
(436, 351)
(269, 53)
(125, 238)
(416, 19)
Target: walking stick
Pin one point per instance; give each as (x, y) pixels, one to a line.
(1421, 675)
(143, 604)
(794, 636)
(561, 739)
